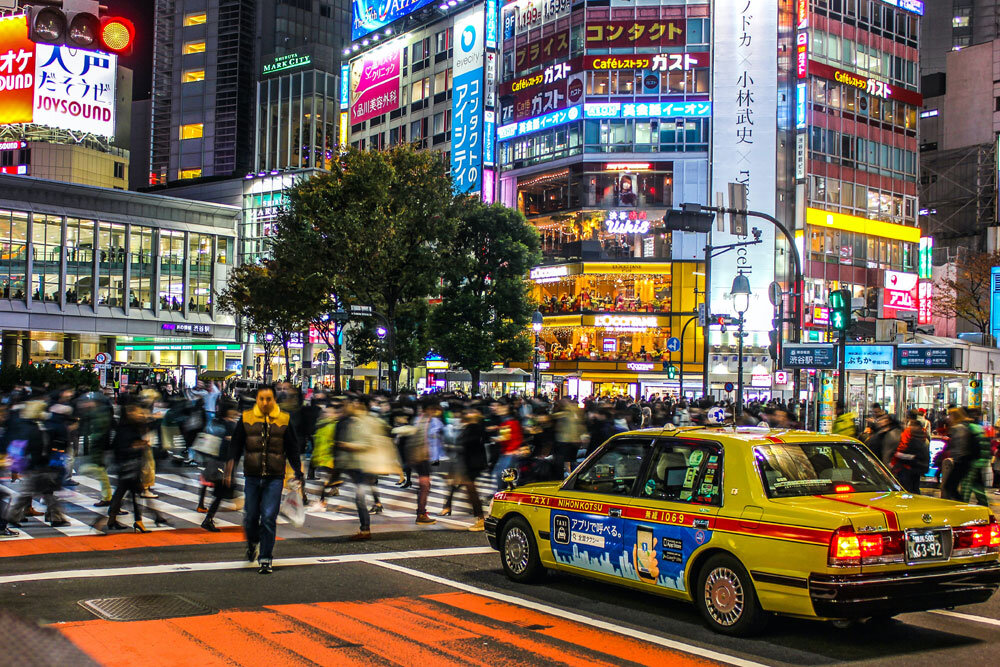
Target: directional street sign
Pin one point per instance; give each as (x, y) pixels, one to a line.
(673, 343)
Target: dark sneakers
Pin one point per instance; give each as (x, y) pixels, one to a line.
(210, 526)
(252, 551)
(265, 568)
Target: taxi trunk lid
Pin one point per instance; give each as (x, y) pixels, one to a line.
(896, 511)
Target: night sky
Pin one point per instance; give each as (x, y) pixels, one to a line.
(140, 62)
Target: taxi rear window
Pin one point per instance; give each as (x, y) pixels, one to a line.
(812, 468)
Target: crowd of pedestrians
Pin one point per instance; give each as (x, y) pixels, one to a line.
(276, 437)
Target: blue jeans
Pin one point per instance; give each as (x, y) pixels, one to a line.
(505, 461)
(260, 513)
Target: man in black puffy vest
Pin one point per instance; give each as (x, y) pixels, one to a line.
(264, 438)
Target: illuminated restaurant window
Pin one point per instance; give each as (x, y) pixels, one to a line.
(190, 173)
(192, 75)
(194, 47)
(195, 18)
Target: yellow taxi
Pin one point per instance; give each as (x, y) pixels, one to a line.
(750, 522)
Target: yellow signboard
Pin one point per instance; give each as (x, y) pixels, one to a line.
(627, 268)
(851, 223)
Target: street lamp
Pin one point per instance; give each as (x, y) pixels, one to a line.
(741, 302)
(536, 326)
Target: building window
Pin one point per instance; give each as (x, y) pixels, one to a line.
(190, 173)
(195, 18)
(960, 42)
(199, 273)
(171, 271)
(140, 287)
(961, 17)
(119, 170)
(192, 131)
(443, 40)
(326, 11)
(111, 266)
(194, 47)
(13, 259)
(79, 261)
(193, 75)
(46, 241)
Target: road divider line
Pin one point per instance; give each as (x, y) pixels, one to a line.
(690, 649)
(967, 617)
(171, 568)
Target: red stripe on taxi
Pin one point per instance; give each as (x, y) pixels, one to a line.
(891, 522)
(773, 438)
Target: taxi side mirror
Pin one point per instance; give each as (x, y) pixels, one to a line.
(509, 478)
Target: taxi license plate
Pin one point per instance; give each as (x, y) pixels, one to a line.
(927, 545)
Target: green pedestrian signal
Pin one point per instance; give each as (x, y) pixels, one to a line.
(840, 309)
(671, 371)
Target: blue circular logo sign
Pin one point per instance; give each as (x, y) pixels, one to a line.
(468, 38)
(700, 536)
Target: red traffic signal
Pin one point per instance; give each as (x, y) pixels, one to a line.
(117, 35)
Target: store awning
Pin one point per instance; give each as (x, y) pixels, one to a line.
(216, 375)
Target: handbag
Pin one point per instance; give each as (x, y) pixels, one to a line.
(208, 444)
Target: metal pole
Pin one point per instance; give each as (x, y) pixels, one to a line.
(842, 368)
(535, 366)
(708, 316)
(683, 331)
(739, 371)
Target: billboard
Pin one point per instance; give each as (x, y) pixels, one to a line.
(55, 86)
(744, 142)
(367, 16)
(375, 83)
(467, 101)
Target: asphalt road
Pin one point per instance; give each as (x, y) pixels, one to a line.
(427, 597)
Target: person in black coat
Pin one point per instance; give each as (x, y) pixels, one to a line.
(30, 438)
(472, 461)
(129, 446)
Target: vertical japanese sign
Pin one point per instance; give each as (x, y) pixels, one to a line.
(492, 24)
(467, 102)
(17, 71)
(374, 85)
(925, 296)
(995, 302)
(744, 140)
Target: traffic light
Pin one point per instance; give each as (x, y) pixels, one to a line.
(840, 309)
(78, 25)
(671, 372)
(772, 348)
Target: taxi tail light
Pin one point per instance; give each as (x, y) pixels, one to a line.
(848, 548)
(985, 537)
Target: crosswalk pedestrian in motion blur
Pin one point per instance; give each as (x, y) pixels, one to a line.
(177, 499)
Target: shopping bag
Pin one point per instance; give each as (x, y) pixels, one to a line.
(292, 505)
(207, 444)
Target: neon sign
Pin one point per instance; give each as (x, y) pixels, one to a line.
(800, 106)
(628, 166)
(287, 61)
(538, 123)
(802, 54)
(639, 366)
(900, 290)
(648, 109)
(546, 274)
(627, 222)
(625, 322)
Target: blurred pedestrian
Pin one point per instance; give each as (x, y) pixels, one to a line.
(224, 425)
(130, 445)
(31, 441)
(912, 457)
(424, 448)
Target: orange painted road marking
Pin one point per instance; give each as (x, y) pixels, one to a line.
(118, 541)
(431, 630)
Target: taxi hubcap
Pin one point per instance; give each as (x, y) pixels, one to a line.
(516, 550)
(724, 596)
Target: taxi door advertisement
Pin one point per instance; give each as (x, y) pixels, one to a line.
(590, 539)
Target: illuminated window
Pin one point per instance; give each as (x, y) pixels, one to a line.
(194, 47)
(192, 131)
(190, 173)
(192, 75)
(195, 18)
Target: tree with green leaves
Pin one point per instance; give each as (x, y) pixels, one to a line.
(371, 231)
(410, 327)
(486, 307)
(269, 306)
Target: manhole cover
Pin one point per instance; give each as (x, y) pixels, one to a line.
(145, 607)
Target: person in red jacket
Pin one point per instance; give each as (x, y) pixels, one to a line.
(510, 437)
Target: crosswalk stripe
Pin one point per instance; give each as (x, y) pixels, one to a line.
(167, 508)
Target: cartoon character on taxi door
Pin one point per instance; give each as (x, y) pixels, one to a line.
(644, 556)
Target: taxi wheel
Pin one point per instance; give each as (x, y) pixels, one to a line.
(727, 599)
(519, 552)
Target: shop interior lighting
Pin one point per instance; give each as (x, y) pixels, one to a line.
(364, 43)
(388, 31)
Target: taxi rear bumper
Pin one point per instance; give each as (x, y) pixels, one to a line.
(862, 595)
